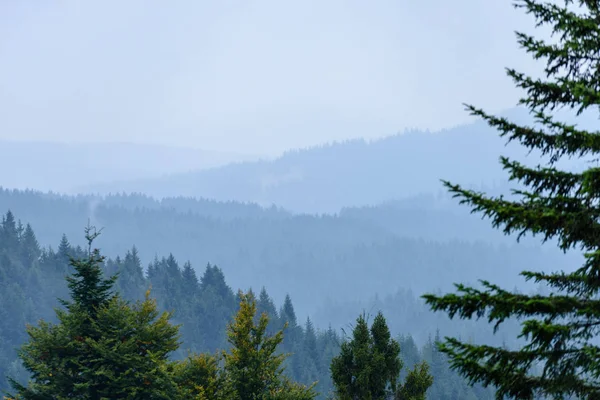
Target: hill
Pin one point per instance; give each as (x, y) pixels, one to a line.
(327, 178)
(61, 167)
(345, 257)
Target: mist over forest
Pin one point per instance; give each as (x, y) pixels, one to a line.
(280, 201)
(301, 237)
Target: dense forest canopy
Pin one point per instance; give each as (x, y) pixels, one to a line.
(345, 258)
(303, 276)
(32, 278)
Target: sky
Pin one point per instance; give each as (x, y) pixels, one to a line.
(252, 76)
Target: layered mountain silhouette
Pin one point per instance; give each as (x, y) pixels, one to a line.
(327, 178)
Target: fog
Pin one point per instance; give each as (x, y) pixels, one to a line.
(294, 150)
(253, 78)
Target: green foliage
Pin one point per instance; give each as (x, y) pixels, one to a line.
(252, 365)
(292, 252)
(200, 377)
(369, 365)
(102, 347)
(416, 384)
(205, 306)
(559, 204)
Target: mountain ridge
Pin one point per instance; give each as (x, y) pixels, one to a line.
(327, 178)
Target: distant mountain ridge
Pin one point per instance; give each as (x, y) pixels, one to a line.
(61, 167)
(327, 178)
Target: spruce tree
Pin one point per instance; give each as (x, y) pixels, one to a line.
(102, 347)
(253, 367)
(368, 366)
(199, 377)
(30, 248)
(555, 203)
(416, 384)
(190, 284)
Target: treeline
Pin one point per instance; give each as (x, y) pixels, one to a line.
(347, 257)
(32, 278)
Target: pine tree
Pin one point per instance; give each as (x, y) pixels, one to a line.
(216, 305)
(200, 378)
(10, 233)
(368, 366)
(64, 248)
(416, 384)
(213, 278)
(30, 248)
(252, 365)
(190, 284)
(131, 276)
(265, 304)
(102, 347)
(556, 204)
(287, 313)
(309, 354)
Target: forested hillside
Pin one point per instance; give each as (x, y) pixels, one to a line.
(33, 277)
(345, 258)
(353, 173)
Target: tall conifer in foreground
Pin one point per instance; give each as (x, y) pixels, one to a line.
(559, 204)
(102, 347)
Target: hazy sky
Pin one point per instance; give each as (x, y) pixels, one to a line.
(250, 76)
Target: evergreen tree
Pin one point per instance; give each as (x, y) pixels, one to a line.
(368, 366)
(287, 313)
(557, 204)
(416, 384)
(213, 278)
(200, 378)
(309, 356)
(409, 353)
(64, 249)
(216, 305)
(131, 276)
(10, 234)
(293, 338)
(252, 365)
(265, 304)
(190, 281)
(30, 248)
(102, 347)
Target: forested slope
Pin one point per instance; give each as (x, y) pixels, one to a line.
(32, 278)
(354, 173)
(349, 257)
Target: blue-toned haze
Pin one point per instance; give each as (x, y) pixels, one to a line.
(250, 77)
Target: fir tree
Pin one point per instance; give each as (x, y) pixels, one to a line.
(89, 290)
(102, 347)
(287, 313)
(555, 204)
(266, 305)
(309, 354)
(190, 281)
(64, 248)
(416, 384)
(368, 366)
(131, 276)
(252, 365)
(10, 234)
(199, 377)
(30, 248)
